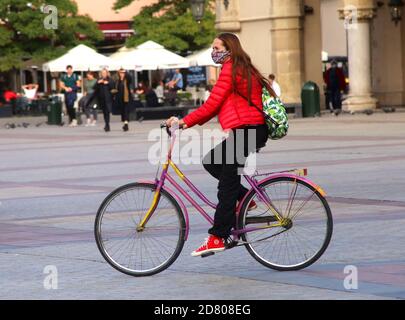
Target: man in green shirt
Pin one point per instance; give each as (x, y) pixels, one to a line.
(70, 84)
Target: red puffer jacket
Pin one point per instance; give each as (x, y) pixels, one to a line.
(233, 111)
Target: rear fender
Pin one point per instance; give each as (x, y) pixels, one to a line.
(300, 178)
(275, 176)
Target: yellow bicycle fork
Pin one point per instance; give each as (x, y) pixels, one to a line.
(155, 200)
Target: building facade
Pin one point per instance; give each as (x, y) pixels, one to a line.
(287, 38)
(116, 25)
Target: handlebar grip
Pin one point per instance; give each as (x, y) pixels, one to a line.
(164, 125)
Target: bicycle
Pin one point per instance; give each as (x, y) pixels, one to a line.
(140, 228)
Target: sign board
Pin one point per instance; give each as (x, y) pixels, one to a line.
(196, 76)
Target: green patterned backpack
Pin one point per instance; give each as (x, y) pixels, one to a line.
(275, 115)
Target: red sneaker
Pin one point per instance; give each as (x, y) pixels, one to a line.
(252, 205)
(211, 244)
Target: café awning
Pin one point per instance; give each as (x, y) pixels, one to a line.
(82, 58)
(149, 56)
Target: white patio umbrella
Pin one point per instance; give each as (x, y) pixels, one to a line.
(150, 56)
(201, 58)
(82, 58)
(117, 56)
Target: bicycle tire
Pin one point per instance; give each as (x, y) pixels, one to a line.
(304, 264)
(98, 235)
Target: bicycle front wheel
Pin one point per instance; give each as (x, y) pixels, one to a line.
(306, 230)
(133, 251)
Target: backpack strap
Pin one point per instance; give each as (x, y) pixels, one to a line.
(265, 115)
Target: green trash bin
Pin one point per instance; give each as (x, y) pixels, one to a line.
(55, 111)
(310, 97)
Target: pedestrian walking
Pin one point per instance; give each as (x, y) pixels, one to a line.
(274, 84)
(335, 84)
(89, 105)
(123, 97)
(104, 93)
(70, 84)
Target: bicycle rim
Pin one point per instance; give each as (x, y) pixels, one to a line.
(139, 253)
(303, 240)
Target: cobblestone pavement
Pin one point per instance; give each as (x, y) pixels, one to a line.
(53, 179)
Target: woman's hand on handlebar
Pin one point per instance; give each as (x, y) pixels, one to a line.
(172, 120)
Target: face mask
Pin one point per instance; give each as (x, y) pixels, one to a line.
(219, 56)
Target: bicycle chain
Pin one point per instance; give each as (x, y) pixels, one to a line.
(232, 244)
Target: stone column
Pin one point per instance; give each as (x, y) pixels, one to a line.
(287, 47)
(358, 15)
(227, 18)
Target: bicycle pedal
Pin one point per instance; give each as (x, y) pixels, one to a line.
(230, 244)
(204, 255)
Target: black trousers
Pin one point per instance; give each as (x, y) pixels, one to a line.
(70, 106)
(336, 99)
(106, 107)
(125, 112)
(71, 112)
(225, 163)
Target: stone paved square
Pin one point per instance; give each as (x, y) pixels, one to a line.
(53, 179)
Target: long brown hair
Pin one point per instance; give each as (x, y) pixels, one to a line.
(242, 64)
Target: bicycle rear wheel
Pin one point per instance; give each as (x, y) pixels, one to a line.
(307, 230)
(139, 252)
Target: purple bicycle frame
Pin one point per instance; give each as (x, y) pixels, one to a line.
(160, 184)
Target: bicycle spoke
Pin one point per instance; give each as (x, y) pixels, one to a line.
(139, 251)
(306, 231)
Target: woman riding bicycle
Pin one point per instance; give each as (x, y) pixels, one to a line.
(238, 89)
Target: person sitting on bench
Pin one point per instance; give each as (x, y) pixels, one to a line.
(151, 98)
(30, 91)
(159, 89)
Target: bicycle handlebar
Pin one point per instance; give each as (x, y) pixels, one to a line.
(169, 130)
